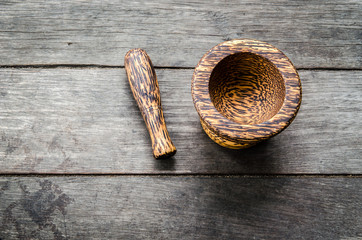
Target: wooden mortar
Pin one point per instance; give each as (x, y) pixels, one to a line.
(245, 91)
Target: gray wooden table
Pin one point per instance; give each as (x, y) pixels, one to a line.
(75, 156)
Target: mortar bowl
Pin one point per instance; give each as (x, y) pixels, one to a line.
(245, 91)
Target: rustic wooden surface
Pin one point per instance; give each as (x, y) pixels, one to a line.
(66, 108)
(86, 121)
(180, 208)
(177, 33)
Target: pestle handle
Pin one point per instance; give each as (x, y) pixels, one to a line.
(143, 81)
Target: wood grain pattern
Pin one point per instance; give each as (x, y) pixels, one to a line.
(67, 120)
(245, 91)
(144, 85)
(246, 88)
(322, 34)
(58, 119)
(180, 208)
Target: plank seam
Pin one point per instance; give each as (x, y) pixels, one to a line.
(51, 66)
(86, 66)
(180, 175)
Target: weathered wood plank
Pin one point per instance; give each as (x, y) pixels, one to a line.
(177, 33)
(180, 208)
(86, 121)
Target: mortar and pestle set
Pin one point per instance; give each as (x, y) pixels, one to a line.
(245, 91)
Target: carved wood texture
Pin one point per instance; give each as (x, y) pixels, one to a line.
(245, 91)
(143, 81)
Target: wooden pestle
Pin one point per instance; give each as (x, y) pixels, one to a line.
(143, 81)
